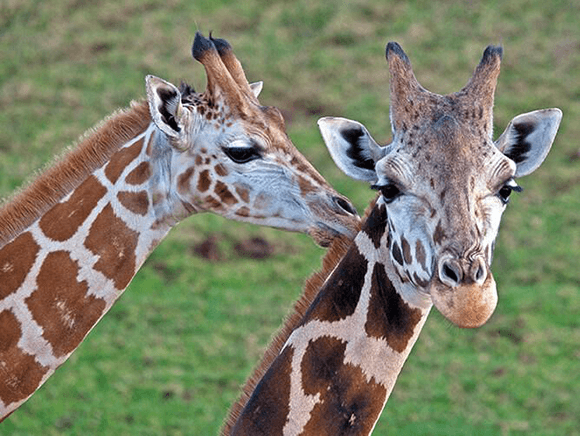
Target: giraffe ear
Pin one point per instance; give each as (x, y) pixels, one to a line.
(165, 105)
(528, 139)
(352, 148)
(256, 88)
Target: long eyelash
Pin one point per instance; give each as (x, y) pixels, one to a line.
(511, 183)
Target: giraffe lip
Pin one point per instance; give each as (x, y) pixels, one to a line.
(324, 233)
(467, 305)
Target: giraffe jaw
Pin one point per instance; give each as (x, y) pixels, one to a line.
(467, 305)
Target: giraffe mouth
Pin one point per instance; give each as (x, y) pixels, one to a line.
(468, 305)
(323, 234)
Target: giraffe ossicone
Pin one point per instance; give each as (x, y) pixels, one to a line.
(71, 242)
(427, 240)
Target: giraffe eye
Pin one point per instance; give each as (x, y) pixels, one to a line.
(242, 155)
(506, 190)
(390, 191)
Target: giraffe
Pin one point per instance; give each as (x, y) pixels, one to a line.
(427, 239)
(71, 242)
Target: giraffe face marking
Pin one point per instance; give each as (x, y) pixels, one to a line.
(232, 156)
(60, 304)
(443, 181)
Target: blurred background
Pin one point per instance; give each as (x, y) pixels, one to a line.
(170, 357)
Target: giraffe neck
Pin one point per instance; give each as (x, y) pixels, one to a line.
(338, 364)
(71, 243)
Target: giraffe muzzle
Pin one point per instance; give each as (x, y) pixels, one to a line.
(464, 292)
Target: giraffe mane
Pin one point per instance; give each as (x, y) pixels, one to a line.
(333, 256)
(93, 149)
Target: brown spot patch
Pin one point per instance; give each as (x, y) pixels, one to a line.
(243, 212)
(204, 181)
(389, 316)
(149, 150)
(121, 159)
(406, 251)
(376, 224)
(60, 304)
(16, 259)
(184, 181)
(136, 202)
(420, 254)
(439, 234)
(139, 175)
(20, 374)
(268, 407)
(243, 193)
(115, 244)
(211, 202)
(345, 284)
(224, 193)
(221, 170)
(349, 405)
(63, 220)
(396, 252)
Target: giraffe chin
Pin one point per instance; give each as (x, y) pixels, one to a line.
(467, 305)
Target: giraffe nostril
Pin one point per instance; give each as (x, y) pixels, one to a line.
(345, 206)
(450, 272)
(479, 270)
(479, 274)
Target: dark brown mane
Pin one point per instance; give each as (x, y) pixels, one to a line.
(333, 256)
(94, 149)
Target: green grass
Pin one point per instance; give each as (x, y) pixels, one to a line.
(170, 356)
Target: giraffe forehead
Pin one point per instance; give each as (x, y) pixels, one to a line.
(441, 155)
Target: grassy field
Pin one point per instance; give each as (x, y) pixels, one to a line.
(170, 356)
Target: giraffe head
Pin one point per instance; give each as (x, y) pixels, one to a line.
(231, 155)
(443, 181)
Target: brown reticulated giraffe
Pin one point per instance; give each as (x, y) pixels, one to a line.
(71, 242)
(427, 240)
